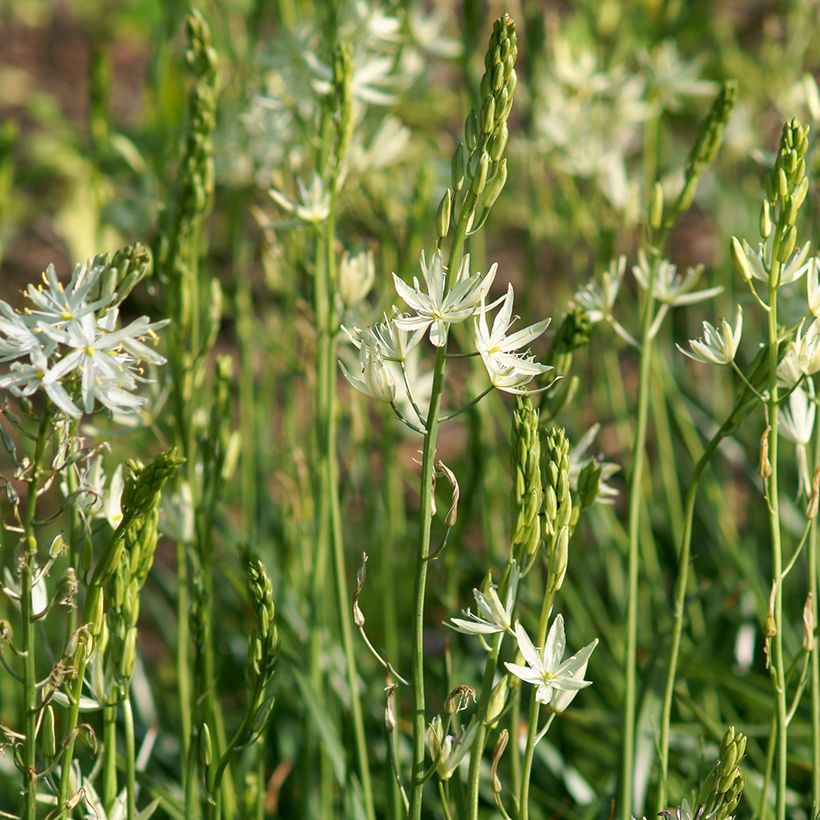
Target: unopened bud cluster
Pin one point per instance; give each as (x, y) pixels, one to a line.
(557, 504)
(708, 142)
(479, 169)
(722, 789)
(527, 488)
(787, 185)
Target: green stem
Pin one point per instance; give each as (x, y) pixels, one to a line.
(635, 498)
(130, 758)
(109, 784)
(815, 663)
(426, 517)
(532, 717)
(183, 674)
(27, 613)
(483, 704)
(681, 584)
(777, 666)
(330, 484)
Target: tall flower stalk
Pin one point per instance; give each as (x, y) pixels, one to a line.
(485, 141)
(659, 224)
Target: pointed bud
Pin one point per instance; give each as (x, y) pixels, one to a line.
(496, 184)
(443, 214)
(480, 179)
(656, 207)
(458, 167)
(765, 220)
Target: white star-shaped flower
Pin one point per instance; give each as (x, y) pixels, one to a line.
(546, 669)
(435, 306)
(718, 345)
(508, 370)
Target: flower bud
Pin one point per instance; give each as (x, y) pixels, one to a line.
(471, 132)
(488, 115)
(496, 184)
(443, 214)
(787, 243)
(205, 747)
(480, 179)
(656, 207)
(498, 700)
(458, 167)
(765, 219)
(498, 142)
(49, 732)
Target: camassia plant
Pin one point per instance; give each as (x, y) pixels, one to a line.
(528, 635)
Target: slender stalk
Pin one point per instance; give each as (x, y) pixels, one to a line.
(681, 585)
(130, 758)
(426, 517)
(532, 718)
(635, 498)
(329, 499)
(815, 662)
(27, 614)
(109, 784)
(777, 662)
(483, 704)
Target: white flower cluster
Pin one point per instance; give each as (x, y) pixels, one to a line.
(435, 307)
(66, 343)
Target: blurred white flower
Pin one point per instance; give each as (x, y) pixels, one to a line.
(578, 459)
(356, 274)
(392, 341)
(546, 669)
(797, 425)
(313, 204)
(718, 345)
(598, 298)
(813, 285)
(671, 78)
(669, 287)
(807, 348)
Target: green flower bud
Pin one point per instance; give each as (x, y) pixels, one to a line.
(589, 483)
(488, 115)
(498, 700)
(656, 207)
(205, 746)
(480, 179)
(496, 184)
(787, 243)
(740, 260)
(498, 142)
(443, 214)
(49, 732)
(458, 167)
(765, 219)
(471, 132)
